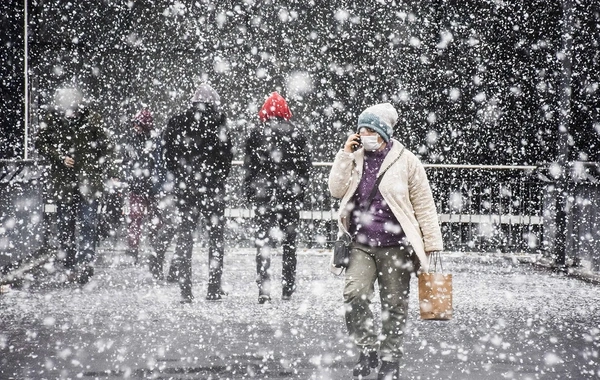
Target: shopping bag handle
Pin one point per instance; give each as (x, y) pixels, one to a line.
(437, 258)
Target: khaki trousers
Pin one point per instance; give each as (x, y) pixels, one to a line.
(391, 267)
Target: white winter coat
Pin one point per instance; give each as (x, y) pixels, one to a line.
(405, 189)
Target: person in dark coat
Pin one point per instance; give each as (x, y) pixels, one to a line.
(197, 152)
(140, 162)
(276, 165)
(73, 140)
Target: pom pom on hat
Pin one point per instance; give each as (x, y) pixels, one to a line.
(381, 118)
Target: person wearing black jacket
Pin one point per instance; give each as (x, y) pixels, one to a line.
(276, 165)
(74, 141)
(197, 152)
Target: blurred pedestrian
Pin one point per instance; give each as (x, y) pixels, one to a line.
(276, 166)
(393, 229)
(111, 218)
(73, 139)
(140, 159)
(197, 151)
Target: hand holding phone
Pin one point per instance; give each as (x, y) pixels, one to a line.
(358, 144)
(352, 143)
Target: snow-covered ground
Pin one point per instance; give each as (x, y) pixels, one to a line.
(511, 321)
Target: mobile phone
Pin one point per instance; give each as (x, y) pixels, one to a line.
(357, 146)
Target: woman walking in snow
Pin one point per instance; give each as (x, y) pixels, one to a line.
(393, 231)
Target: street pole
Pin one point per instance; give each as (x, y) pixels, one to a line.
(26, 76)
(566, 58)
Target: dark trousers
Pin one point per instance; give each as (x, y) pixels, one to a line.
(190, 211)
(163, 229)
(77, 222)
(276, 224)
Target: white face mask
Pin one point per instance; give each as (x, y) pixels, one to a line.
(370, 143)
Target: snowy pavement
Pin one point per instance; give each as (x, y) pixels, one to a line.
(511, 321)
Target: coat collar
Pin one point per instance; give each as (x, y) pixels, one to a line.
(392, 155)
(397, 148)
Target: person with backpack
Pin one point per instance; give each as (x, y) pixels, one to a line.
(276, 165)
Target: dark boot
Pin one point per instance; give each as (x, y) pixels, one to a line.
(215, 272)
(263, 279)
(86, 274)
(264, 289)
(81, 274)
(185, 278)
(366, 361)
(155, 264)
(287, 292)
(156, 268)
(185, 281)
(263, 298)
(389, 371)
(186, 294)
(213, 293)
(288, 282)
(173, 275)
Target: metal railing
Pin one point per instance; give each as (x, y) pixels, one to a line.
(481, 208)
(21, 212)
(489, 208)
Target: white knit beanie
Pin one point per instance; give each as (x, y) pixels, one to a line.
(381, 118)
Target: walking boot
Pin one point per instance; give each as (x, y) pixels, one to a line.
(215, 272)
(264, 298)
(287, 292)
(263, 278)
(214, 293)
(264, 291)
(288, 271)
(156, 268)
(86, 274)
(80, 274)
(389, 371)
(173, 275)
(366, 361)
(186, 294)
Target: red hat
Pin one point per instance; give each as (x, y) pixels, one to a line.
(275, 106)
(144, 118)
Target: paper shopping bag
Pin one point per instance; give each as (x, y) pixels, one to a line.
(435, 291)
(435, 296)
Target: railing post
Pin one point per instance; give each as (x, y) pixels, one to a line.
(566, 56)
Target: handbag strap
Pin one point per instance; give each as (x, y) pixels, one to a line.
(437, 258)
(378, 181)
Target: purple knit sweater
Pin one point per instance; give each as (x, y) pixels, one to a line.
(377, 227)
